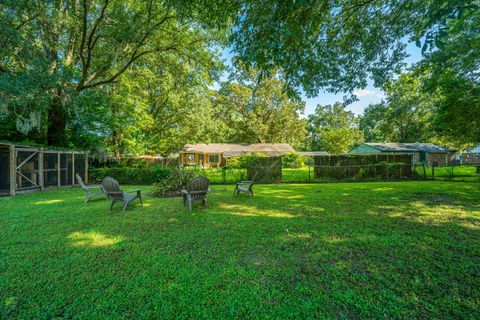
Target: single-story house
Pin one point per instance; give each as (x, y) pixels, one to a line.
(421, 152)
(216, 154)
(471, 156)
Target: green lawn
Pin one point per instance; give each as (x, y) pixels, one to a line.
(453, 173)
(360, 250)
(289, 175)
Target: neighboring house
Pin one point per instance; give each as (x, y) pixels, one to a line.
(217, 154)
(471, 155)
(421, 152)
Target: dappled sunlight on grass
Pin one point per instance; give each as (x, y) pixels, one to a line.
(396, 250)
(333, 239)
(251, 211)
(459, 213)
(93, 239)
(49, 201)
(382, 189)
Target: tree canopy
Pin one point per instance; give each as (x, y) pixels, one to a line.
(333, 129)
(147, 76)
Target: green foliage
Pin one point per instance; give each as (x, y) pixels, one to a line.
(333, 129)
(250, 159)
(293, 160)
(405, 115)
(131, 176)
(233, 162)
(338, 45)
(258, 109)
(354, 251)
(57, 55)
(176, 180)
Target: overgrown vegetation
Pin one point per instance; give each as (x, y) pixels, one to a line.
(174, 182)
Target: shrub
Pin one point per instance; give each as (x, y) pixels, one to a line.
(250, 159)
(233, 162)
(128, 175)
(172, 185)
(293, 160)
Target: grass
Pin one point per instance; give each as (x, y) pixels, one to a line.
(452, 173)
(363, 250)
(289, 175)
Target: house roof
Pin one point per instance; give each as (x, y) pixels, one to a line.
(409, 147)
(314, 153)
(237, 149)
(476, 149)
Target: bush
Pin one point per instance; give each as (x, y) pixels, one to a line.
(250, 159)
(128, 175)
(233, 162)
(172, 185)
(293, 160)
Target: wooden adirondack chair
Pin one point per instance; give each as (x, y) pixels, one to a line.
(245, 187)
(196, 190)
(113, 191)
(88, 189)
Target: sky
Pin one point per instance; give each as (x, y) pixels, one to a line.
(365, 96)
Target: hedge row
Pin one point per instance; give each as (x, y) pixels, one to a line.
(127, 175)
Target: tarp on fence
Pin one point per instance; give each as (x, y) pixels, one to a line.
(379, 166)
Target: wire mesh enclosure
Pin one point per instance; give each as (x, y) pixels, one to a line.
(363, 166)
(50, 169)
(266, 170)
(4, 175)
(28, 169)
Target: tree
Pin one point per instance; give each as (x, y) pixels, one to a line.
(338, 45)
(406, 113)
(55, 51)
(333, 129)
(257, 109)
(455, 74)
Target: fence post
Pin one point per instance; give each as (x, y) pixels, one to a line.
(13, 170)
(73, 169)
(59, 164)
(433, 172)
(41, 169)
(309, 166)
(424, 171)
(86, 168)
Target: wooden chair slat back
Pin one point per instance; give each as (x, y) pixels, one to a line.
(198, 184)
(112, 188)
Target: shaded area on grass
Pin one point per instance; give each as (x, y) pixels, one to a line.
(369, 250)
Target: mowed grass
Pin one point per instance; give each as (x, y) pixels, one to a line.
(451, 173)
(363, 250)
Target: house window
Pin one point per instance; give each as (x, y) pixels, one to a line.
(190, 157)
(213, 158)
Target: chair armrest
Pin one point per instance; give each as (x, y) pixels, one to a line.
(94, 186)
(184, 191)
(245, 182)
(131, 191)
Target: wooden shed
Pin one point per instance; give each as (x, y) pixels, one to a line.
(25, 169)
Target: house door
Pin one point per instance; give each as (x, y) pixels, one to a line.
(201, 161)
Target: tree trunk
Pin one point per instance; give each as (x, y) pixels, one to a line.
(57, 123)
